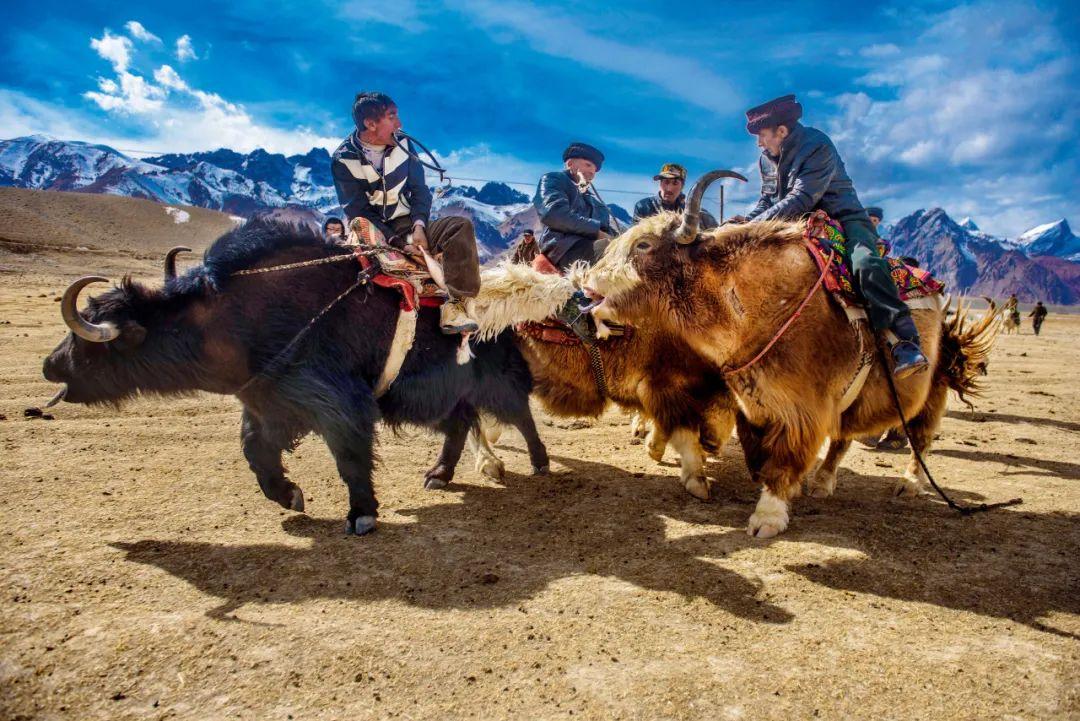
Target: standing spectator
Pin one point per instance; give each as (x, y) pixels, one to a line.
(1037, 315)
(526, 248)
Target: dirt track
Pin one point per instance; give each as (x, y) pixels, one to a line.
(144, 576)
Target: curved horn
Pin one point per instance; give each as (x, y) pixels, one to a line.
(95, 333)
(170, 261)
(688, 229)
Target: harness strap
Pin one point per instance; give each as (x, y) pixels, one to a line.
(794, 316)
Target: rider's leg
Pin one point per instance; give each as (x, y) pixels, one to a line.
(883, 304)
(455, 239)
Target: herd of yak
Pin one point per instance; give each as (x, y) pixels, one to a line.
(699, 308)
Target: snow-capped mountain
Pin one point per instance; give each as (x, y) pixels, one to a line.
(242, 184)
(1055, 239)
(973, 262)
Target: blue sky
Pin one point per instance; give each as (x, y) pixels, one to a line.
(971, 106)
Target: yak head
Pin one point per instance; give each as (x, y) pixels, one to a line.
(129, 340)
(650, 269)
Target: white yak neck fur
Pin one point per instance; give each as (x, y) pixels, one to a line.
(512, 293)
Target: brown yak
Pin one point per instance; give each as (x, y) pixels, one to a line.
(727, 292)
(649, 370)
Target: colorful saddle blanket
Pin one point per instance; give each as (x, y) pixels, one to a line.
(396, 271)
(825, 236)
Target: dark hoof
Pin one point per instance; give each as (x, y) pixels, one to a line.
(361, 526)
(434, 483)
(438, 477)
(541, 470)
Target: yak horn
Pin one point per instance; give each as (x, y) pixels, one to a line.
(691, 222)
(170, 261)
(95, 333)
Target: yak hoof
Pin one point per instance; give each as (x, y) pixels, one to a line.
(296, 500)
(541, 470)
(698, 487)
(908, 487)
(493, 468)
(434, 483)
(770, 518)
(821, 485)
(361, 526)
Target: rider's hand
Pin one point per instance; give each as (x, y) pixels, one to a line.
(419, 238)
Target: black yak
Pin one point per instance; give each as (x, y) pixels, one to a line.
(209, 330)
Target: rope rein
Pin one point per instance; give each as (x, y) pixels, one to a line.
(792, 319)
(961, 509)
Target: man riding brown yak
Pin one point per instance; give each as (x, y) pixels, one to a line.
(728, 293)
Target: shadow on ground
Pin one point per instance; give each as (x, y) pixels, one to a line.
(502, 545)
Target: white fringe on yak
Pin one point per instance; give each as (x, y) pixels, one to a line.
(404, 335)
(512, 293)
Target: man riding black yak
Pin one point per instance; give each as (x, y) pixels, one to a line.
(379, 178)
(303, 346)
(801, 171)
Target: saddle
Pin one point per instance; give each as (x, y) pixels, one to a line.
(570, 326)
(411, 276)
(825, 236)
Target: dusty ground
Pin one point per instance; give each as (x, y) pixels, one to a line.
(143, 575)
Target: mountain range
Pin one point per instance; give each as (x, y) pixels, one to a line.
(1042, 263)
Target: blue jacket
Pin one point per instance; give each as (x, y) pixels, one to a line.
(568, 216)
(353, 192)
(652, 205)
(808, 175)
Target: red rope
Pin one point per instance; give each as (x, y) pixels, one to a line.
(796, 314)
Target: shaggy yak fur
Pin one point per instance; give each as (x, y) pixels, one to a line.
(651, 370)
(727, 294)
(208, 331)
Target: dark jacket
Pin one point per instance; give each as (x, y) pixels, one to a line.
(808, 175)
(353, 192)
(568, 216)
(652, 205)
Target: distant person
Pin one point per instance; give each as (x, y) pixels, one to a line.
(577, 224)
(380, 179)
(801, 171)
(334, 229)
(1038, 315)
(670, 196)
(876, 215)
(526, 248)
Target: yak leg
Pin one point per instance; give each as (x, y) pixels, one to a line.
(456, 429)
(344, 414)
(640, 425)
(264, 459)
(823, 483)
(538, 455)
(788, 453)
(487, 463)
(922, 428)
(751, 438)
(687, 443)
(656, 441)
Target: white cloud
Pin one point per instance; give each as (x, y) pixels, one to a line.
(139, 32)
(114, 48)
(968, 100)
(169, 78)
(883, 50)
(133, 95)
(548, 33)
(184, 49)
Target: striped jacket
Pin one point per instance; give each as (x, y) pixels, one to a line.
(399, 191)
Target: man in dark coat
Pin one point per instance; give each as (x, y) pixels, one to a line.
(672, 179)
(577, 224)
(380, 179)
(802, 172)
(1037, 315)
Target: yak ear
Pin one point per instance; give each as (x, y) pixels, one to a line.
(132, 335)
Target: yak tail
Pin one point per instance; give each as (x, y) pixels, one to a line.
(965, 349)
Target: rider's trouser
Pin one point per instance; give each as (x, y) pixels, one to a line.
(872, 276)
(455, 239)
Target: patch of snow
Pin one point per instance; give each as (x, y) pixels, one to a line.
(178, 216)
(237, 219)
